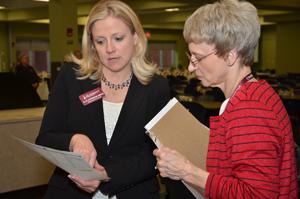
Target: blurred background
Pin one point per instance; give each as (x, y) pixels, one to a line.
(47, 31)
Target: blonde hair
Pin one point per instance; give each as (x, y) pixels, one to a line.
(228, 24)
(90, 64)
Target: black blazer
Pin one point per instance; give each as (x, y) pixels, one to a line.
(128, 158)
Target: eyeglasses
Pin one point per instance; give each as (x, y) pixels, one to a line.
(196, 60)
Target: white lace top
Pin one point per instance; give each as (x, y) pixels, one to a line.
(111, 114)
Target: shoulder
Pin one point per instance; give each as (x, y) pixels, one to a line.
(68, 71)
(158, 85)
(259, 92)
(158, 80)
(69, 67)
(19, 67)
(255, 99)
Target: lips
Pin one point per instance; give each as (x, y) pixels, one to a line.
(112, 59)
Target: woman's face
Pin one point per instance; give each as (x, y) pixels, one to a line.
(25, 60)
(114, 43)
(207, 66)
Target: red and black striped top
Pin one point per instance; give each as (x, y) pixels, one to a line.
(251, 148)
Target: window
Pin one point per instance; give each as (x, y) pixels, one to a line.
(163, 54)
(37, 50)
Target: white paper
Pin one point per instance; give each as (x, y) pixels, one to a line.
(70, 162)
(161, 113)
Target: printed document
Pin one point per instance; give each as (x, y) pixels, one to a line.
(70, 162)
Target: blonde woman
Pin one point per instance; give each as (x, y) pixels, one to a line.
(99, 106)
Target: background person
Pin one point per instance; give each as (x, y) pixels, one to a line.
(251, 150)
(27, 72)
(109, 132)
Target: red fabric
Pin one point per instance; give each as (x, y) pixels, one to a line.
(251, 151)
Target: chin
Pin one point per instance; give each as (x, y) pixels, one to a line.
(205, 84)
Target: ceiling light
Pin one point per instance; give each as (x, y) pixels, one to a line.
(171, 9)
(42, 0)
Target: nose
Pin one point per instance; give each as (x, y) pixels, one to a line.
(110, 47)
(191, 67)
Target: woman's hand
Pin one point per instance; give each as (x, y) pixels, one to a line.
(82, 145)
(171, 163)
(89, 186)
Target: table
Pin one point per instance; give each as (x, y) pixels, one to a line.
(206, 103)
(20, 167)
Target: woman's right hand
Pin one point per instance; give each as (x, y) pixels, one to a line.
(81, 144)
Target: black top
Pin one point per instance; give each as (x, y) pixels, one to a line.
(27, 73)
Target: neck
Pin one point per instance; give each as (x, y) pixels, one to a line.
(234, 80)
(117, 81)
(117, 77)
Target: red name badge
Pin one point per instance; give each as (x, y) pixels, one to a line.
(91, 96)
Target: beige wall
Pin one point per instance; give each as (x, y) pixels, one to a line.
(267, 54)
(4, 48)
(279, 44)
(288, 47)
(26, 30)
(280, 47)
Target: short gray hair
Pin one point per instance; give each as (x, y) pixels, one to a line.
(227, 24)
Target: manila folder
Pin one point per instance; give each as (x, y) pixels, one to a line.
(176, 128)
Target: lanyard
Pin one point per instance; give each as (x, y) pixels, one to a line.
(243, 81)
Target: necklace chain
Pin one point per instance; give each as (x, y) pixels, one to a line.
(111, 85)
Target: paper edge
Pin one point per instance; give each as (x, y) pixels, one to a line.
(160, 114)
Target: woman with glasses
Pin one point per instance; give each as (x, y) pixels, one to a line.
(251, 147)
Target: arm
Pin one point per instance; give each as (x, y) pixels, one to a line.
(254, 143)
(253, 146)
(54, 130)
(175, 166)
(124, 171)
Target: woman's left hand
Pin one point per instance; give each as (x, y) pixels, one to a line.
(89, 186)
(171, 163)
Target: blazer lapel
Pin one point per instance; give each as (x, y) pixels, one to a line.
(96, 117)
(133, 98)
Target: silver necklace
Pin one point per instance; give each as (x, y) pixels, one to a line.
(111, 85)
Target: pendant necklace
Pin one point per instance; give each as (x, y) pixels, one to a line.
(113, 86)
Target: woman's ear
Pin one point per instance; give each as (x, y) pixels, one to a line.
(231, 57)
(135, 38)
